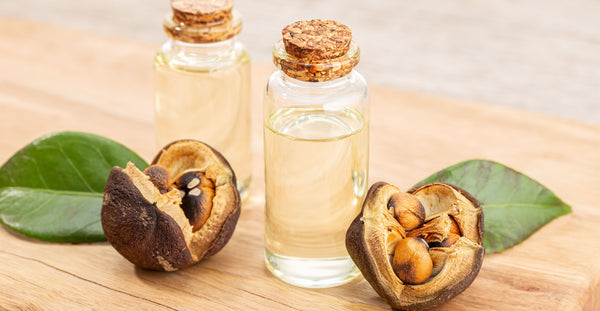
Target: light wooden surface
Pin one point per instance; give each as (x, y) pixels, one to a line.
(54, 79)
(539, 55)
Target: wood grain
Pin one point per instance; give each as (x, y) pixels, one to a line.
(56, 79)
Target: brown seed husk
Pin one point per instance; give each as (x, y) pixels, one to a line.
(150, 229)
(454, 267)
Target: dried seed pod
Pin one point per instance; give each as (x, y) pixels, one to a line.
(407, 209)
(412, 263)
(453, 217)
(152, 229)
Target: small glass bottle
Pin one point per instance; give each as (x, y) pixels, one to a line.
(316, 143)
(202, 82)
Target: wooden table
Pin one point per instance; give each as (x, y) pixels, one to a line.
(54, 79)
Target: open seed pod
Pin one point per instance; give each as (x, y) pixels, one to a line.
(181, 209)
(428, 265)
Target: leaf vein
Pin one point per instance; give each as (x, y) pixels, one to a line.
(35, 209)
(37, 167)
(70, 161)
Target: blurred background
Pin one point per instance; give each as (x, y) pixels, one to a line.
(537, 55)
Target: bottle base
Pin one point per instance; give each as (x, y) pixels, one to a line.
(311, 272)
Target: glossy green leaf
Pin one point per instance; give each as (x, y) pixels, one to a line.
(514, 205)
(52, 189)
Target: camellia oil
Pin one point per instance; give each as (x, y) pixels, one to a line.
(316, 153)
(202, 83)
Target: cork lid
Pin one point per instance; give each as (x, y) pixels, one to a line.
(202, 21)
(316, 39)
(316, 50)
(191, 12)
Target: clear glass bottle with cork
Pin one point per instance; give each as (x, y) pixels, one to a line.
(202, 82)
(316, 142)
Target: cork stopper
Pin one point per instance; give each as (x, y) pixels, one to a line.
(190, 12)
(316, 39)
(202, 21)
(316, 50)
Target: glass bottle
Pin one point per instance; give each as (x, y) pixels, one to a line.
(202, 82)
(316, 143)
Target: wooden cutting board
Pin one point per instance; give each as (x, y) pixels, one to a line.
(54, 79)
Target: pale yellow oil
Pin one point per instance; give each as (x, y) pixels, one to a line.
(316, 179)
(208, 105)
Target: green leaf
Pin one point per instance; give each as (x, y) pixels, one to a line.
(37, 213)
(51, 189)
(515, 206)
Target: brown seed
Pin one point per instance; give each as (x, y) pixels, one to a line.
(407, 209)
(197, 201)
(412, 263)
(454, 226)
(450, 240)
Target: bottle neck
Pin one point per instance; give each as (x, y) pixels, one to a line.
(201, 56)
(203, 50)
(323, 85)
